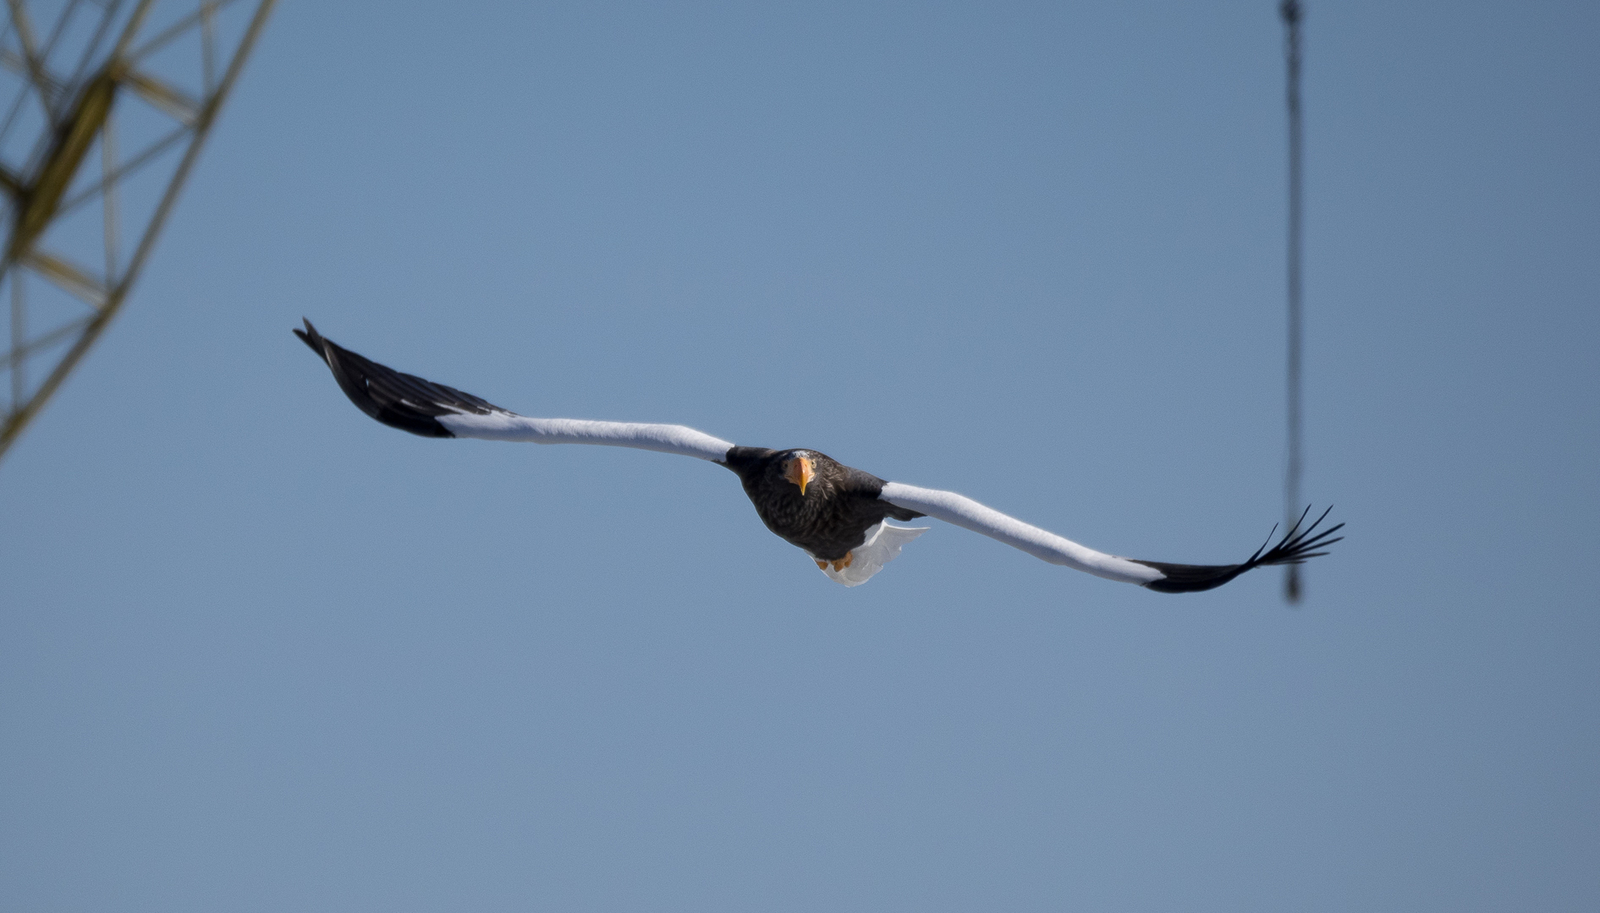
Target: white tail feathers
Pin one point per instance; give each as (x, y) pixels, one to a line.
(882, 546)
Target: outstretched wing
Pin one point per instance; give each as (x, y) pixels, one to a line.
(1296, 546)
(423, 407)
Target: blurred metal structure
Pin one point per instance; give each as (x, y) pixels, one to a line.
(79, 83)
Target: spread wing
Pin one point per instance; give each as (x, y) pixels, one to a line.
(1298, 544)
(423, 407)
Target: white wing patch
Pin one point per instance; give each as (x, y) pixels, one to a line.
(965, 512)
(882, 546)
(508, 426)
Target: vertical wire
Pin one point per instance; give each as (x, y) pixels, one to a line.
(1291, 12)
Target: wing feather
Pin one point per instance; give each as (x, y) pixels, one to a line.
(1298, 544)
(420, 406)
(1047, 546)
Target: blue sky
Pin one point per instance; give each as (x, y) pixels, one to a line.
(261, 653)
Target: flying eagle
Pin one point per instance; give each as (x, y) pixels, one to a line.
(836, 514)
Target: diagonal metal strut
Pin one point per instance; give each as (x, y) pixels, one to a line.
(72, 94)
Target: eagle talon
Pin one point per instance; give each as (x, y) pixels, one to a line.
(821, 565)
(844, 562)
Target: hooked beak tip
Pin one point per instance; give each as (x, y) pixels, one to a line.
(800, 473)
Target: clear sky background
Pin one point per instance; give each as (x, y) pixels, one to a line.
(258, 652)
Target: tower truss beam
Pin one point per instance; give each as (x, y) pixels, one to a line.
(73, 89)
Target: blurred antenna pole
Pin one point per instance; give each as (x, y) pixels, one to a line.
(1292, 13)
(71, 83)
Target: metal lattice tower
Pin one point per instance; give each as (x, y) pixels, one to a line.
(80, 82)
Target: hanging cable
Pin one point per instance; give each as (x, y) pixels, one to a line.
(1291, 12)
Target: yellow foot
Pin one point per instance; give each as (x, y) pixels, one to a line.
(821, 565)
(844, 562)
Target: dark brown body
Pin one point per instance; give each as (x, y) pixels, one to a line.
(832, 517)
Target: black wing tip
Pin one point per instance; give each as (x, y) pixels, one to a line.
(386, 394)
(1297, 546)
(1190, 578)
(311, 338)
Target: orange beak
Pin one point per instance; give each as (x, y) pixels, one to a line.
(799, 472)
